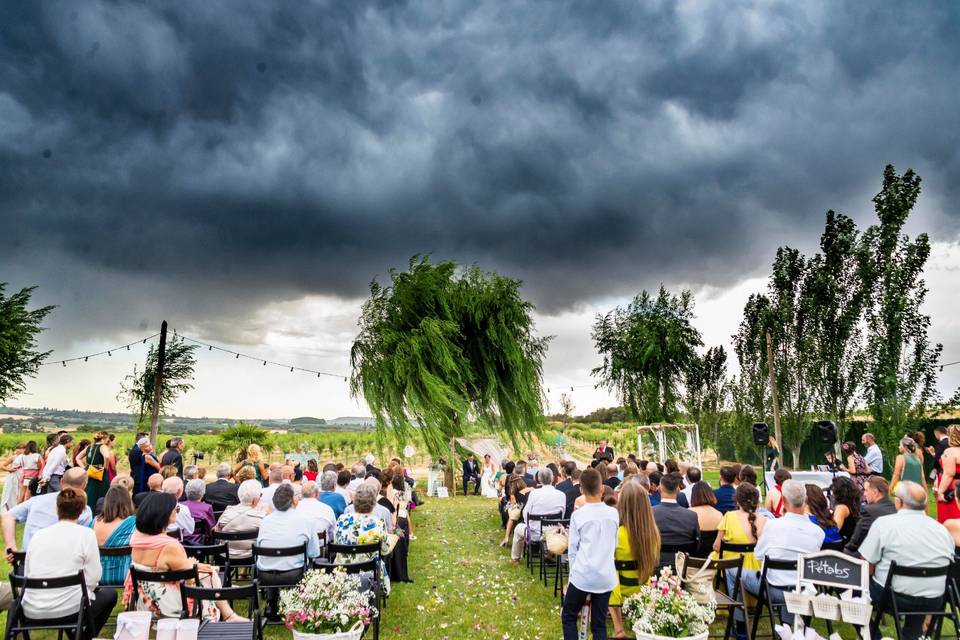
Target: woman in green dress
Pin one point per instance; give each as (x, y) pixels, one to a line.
(98, 458)
(908, 465)
(773, 454)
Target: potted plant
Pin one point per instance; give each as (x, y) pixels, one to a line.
(662, 609)
(327, 606)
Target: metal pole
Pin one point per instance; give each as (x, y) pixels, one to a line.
(773, 394)
(158, 385)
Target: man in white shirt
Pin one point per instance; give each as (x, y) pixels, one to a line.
(543, 501)
(62, 549)
(691, 476)
(320, 515)
(873, 456)
(785, 538)
(274, 480)
(359, 472)
(41, 512)
(593, 541)
(185, 523)
(911, 539)
(56, 464)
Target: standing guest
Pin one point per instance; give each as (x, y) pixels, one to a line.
(773, 454)
(678, 526)
(98, 458)
(329, 496)
(184, 523)
(908, 465)
(572, 491)
(774, 500)
(111, 467)
(254, 460)
(244, 517)
(154, 484)
(41, 512)
(603, 452)
(612, 480)
(941, 444)
(343, 481)
(876, 492)
(113, 528)
(703, 503)
(173, 456)
(202, 513)
(785, 538)
(76, 458)
(857, 465)
(818, 510)
(312, 470)
(471, 473)
(638, 548)
(151, 463)
(873, 456)
(846, 511)
(947, 507)
(56, 464)
(724, 493)
(545, 500)
(29, 464)
(911, 539)
(317, 513)
(13, 485)
(594, 532)
(221, 493)
(135, 460)
(66, 548)
(741, 526)
(691, 477)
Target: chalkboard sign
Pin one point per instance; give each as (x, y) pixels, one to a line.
(834, 569)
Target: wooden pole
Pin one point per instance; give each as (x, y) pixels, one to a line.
(158, 385)
(773, 394)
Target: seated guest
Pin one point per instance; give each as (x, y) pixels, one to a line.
(638, 541)
(154, 483)
(221, 493)
(122, 480)
(678, 526)
(288, 473)
(274, 480)
(785, 538)
(565, 468)
(155, 551)
(343, 481)
(359, 526)
(702, 503)
(113, 528)
(64, 549)
(690, 478)
(319, 514)
(329, 495)
(184, 523)
(40, 512)
(876, 491)
(244, 517)
(516, 492)
(774, 500)
(818, 510)
(312, 470)
(612, 480)
(741, 526)
(202, 513)
(653, 487)
(190, 472)
(724, 493)
(846, 511)
(747, 474)
(545, 500)
(357, 472)
(571, 491)
(910, 539)
(378, 509)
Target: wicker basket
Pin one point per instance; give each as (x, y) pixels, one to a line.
(826, 607)
(854, 612)
(799, 603)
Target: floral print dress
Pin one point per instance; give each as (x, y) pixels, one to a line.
(362, 528)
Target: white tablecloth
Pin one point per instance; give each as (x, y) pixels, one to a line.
(823, 479)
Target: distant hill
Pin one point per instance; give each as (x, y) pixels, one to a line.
(307, 420)
(364, 422)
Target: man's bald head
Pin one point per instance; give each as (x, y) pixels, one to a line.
(911, 495)
(276, 473)
(286, 472)
(174, 486)
(155, 482)
(75, 478)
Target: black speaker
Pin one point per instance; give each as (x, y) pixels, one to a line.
(827, 431)
(761, 434)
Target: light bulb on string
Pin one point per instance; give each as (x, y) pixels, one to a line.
(85, 358)
(291, 369)
(109, 354)
(64, 363)
(238, 357)
(264, 363)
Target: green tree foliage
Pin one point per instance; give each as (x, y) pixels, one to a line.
(136, 390)
(443, 346)
(234, 440)
(901, 361)
(707, 391)
(19, 327)
(606, 415)
(647, 349)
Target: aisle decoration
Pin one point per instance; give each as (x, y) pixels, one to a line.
(327, 606)
(663, 609)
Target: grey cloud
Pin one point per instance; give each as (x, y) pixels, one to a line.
(207, 158)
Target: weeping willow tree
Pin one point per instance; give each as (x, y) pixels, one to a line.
(443, 347)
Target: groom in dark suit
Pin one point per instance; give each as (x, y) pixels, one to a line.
(471, 471)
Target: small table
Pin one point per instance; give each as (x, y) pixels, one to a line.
(822, 479)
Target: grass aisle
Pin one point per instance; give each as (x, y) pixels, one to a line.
(464, 583)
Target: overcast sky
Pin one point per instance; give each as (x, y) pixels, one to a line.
(244, 169)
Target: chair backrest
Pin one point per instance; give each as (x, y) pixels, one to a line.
(707, 540)
(279, 552)
(730, 547)
(832, 546)
(139, 575)
(350, 567)
(230, 594)
(689, 548)
(209, 553)
(19, 559)
(533, 517)
(115, 552)
(720, 565)
(355, 549)
(19, 585)
(773, 564)
(234, 536)
(555, 522)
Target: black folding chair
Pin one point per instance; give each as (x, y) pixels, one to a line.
(19, 625)
(545, 562)
(224, 630)
(372, 565)
(888, 601)
(832, 546)
(529, 546)
(236, 563)
(270, 582)
(217, 555)
(19, 559)
(563, 568)
(138, 575)
(707, 539)
(728, 548)
(729, 602)
(342, 554)
(671, 550)
(763, 598)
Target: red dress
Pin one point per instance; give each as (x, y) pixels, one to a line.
(948, 510)
(310, 475)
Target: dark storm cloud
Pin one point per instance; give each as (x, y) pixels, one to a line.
(200, 159)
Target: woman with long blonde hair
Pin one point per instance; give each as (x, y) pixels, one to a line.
(638, 548)
(254, 460)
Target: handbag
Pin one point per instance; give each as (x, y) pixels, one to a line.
(556, 541)
(514, 513)
(94, 472)
(389, 542)
(700, 584)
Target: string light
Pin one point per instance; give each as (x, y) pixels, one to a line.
(107, 352)
(237, 355)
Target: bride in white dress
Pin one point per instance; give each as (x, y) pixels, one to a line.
(488, 483)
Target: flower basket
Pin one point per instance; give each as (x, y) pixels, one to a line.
(826, 607)
(799, 603)
(663, 610)
(854, 612)
(649, 636)
(326, 606)
(353, 634)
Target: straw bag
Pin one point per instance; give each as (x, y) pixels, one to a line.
(514, 513)
(388, 544)
(556, 541)
(699, 584)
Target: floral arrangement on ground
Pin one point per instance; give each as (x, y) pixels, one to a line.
(326, 603)
(663, 608)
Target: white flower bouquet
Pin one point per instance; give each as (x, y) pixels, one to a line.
(326, 603)
(662, 608)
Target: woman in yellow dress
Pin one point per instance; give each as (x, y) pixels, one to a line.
(638, 548)
(741, 526)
